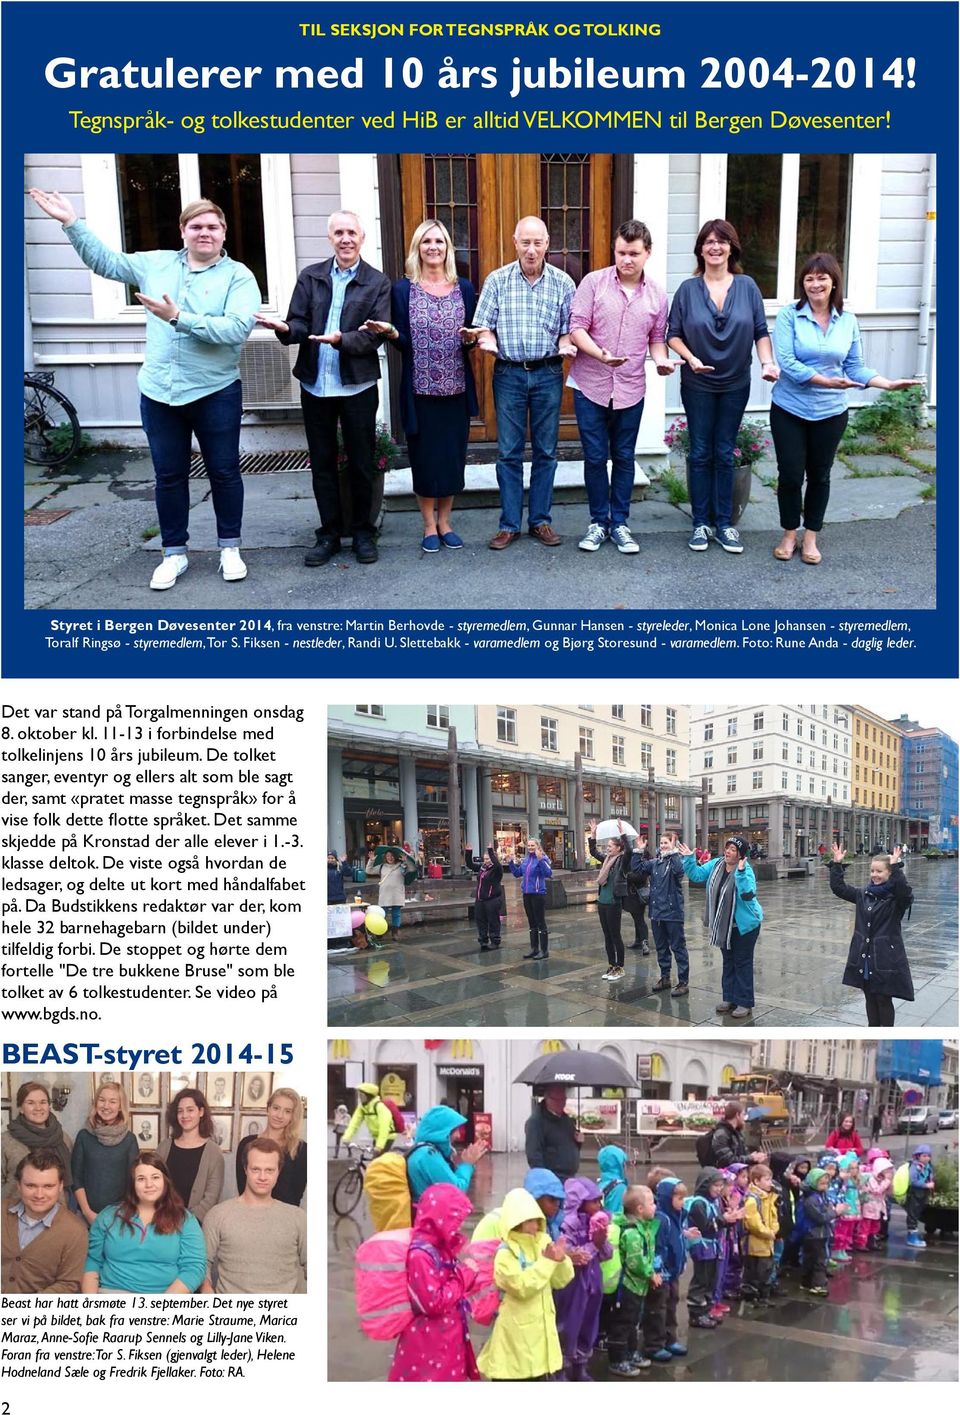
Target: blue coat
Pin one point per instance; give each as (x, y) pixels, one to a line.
(429, 1162)
(747, 914)
(666, 892)
(533, 872)
(400, 307)
(671, 1247)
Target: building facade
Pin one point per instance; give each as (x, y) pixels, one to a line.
(877, 761)
(930, 786)
(475, 1075)
(823, 1078)
(869, 209)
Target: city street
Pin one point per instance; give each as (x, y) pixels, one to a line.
(891, 1316)
(437, 975)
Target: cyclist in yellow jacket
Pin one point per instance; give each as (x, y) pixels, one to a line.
(377, 1117)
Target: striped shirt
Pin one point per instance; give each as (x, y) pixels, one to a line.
(528, 319)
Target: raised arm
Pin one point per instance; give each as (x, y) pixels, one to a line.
(96, 256)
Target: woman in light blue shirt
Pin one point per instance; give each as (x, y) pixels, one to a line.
(820, 354)
(148, 1242)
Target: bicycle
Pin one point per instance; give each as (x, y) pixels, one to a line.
(51, 428)
(349, 1187)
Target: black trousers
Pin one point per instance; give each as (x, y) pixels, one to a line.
(610, 915)
(814, 1273)
(914, 1205)
(624, 1328)
(702, 1286)
(660, 1316)
(535, 907)
(357, 419)
(486, 913)
(880, 1010)
(637, 910)
(804, 450)
(758, 1274)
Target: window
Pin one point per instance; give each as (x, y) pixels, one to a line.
(731, 784)
(848, 1050)
(785, 721)
(586, 743)
(438, 716)
(507, 789)
(799, 781)
(758, 781)
(799, 756)
(672, 721)
(617, 711)
(799, 728)
(646, 754)
(831, 1065)
(813, 733)
(620, 751)
(792, 205)
(551, 794)
(369, 709)
(785, 751)
(761, 1051)
(707, 760)
(784, 778)
(507, 725)
(758, 751)
(548, 734)
(708, 731)
(758, 722)
(646, 715)
(671, 762)
(731, 756)
(813, 760)
(790, 1057)
(731, 727)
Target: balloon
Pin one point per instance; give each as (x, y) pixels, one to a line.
(356, 919)
(376, 924)
(376, 911)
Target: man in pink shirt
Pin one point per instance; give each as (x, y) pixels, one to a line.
(618, 314)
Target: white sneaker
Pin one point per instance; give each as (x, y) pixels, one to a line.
(231, 566)
(609, 975)
(624, 541)
(594, 538)
(168, 572)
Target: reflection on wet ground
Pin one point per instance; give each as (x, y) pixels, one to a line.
(889, 1317)
(437, 974)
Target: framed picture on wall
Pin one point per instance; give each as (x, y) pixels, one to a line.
(4, 1117)
(223, 1131)
(182, 1081)
(4, 1085)
(218, 1089)
(146, 1129)
(113, 1078)
(252, 1125)
(146, 1088)
(256, 1089)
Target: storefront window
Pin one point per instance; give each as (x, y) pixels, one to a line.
(398, 1082)
(552, 793)
(371, 779)
(507, 788)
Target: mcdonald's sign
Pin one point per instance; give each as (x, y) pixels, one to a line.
(340, 1049)
(548, 1047)
(462, 1047)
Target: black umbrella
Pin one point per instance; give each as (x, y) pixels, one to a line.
(576, 1068)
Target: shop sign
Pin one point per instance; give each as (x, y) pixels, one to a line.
(596, 1117)
(679, 1117)
(472, 1073)
(483, 1127)
(393, 1087)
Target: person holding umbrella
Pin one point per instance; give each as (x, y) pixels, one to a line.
(552, 1140)
(390, 863)
(733, 915)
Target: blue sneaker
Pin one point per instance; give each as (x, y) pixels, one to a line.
(728, 539)
(915, 1241)
(700, 539)
(451, 540)
(663, 1355)
(678, 1348)
(430, 545)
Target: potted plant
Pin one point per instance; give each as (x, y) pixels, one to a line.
(752, 442)
(940, 1213)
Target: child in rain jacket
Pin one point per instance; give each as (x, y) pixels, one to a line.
(660, 1308)
(918, 1195)
(819, 1216)
(547, 1189)
(585, 1226)
(436, 1345)
(728, 1263)
(848, 1220)
(613, 1177)
(876, 1183)
(703, 1213)
(641, 1270)
(528, 1268)
(761, 1226)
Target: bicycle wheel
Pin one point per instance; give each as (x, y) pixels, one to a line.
(346, 1195)
(51, 428)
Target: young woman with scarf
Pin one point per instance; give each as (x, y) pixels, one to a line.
(733, 915)
(34, 1127)
(877, 961)
(104, 1152)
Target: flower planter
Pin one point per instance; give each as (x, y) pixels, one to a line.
(938, 1219)
(742, 479)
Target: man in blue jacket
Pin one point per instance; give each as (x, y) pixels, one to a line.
(666, 910)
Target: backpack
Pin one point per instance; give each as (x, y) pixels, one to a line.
(387, 1188)
(399, 1124)
(901, 1182)
(384, 1303)
(704, 1146)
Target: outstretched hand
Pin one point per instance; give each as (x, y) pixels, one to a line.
(53, 204)
(683, 848)
(838, 853)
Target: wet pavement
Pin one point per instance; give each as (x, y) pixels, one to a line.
(890, 1316)
(436, 973)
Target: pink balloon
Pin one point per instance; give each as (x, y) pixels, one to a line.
(356, 919)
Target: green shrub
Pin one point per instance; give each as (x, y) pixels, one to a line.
(945, 1178)
(894, 417)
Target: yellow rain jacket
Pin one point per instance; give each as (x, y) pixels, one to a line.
(760, 1222)
(524, 1343)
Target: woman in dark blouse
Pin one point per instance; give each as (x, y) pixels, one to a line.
(430, 308)
(284, 1123)
(193, 1158)
(715, 320)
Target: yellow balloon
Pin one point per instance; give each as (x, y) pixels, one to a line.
(376, 924)
(376, 912)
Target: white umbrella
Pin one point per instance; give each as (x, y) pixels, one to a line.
(612, 829)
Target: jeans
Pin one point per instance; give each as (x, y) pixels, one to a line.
(713, 420)
(535, 908)
(215, 421)
(394, 913)
(520, 394)
(608, 434)
(804, 449)
(357, 417)
(738, 967)
(610, 916)
(669, 938)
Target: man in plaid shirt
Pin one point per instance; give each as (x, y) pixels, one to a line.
(523, 317)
